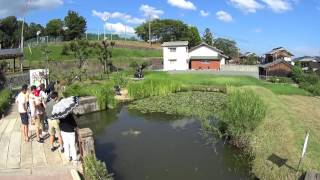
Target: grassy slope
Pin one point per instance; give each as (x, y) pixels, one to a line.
(118, 53)
(216, 80)
(282, 134)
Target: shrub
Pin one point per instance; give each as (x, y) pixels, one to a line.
(120, 78)
(147, 88)
(65, 50)
(243, 112)
(4, 100)
(95, 169)
(103, 92)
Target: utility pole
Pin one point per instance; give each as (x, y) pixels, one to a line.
(125, 33)
(98, 34)
(150, 30)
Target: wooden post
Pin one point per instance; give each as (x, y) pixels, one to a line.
(14, 65)
(86, 142)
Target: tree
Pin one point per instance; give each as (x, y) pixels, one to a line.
(76, 26)
(207, 37)
(229, 47)
(163, 30)
(34, 28)
(9, 32)
(54, 27)
(81, 50)
(105, 54)
(193, 36)
(250, 60)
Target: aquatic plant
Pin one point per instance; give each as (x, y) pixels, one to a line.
(95, 169)
(148, 88)
(242, 113)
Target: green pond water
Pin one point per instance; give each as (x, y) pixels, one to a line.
(156, 146)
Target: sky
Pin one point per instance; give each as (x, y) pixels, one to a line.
(256, 25)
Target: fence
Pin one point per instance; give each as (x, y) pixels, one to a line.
(16, 80)
(239, 68)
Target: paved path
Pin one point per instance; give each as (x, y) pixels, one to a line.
(20, 159)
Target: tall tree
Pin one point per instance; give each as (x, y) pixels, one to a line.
(54, 27)
(105, 55)
(163, 30)
(9, 32)
(229, 47)
(207, 37)
(193, 36)
(76, 26)
(34, 28)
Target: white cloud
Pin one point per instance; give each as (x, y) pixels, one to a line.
(119, 28)
(247, 6)
(183, 4)
(224, 16)
(257, 30)
(279, 5)
(150, 12)
(117, 15)
(204, 13)
(18, 7)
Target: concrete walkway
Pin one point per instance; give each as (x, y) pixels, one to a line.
(28, 160)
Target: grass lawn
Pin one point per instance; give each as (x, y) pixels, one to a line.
(56, 50)
(277, 142)
(188, 79)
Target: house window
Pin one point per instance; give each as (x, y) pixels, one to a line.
(173, 49)
(172, 61)
(205, 61)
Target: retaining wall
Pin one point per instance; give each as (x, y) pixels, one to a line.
(239, 68)
(87, 105)
(16, 80)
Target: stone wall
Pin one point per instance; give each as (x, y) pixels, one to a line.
(17, 80)
(87, 105)
(239, 68)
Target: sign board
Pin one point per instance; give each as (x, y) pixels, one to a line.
(38, 76)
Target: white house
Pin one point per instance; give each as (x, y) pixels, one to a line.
(177, 56)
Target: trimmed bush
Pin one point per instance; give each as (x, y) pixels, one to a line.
(95, 169)
(4, 100)
(243, 112)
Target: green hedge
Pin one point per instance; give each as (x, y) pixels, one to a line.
(4, 100)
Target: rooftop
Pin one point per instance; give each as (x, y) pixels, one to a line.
(274, 63)
(175, 43)
(10, 53)
(275, 50)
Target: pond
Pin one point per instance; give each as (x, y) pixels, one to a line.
(157, 146)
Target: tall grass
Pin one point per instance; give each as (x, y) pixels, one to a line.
(103, 92)
(95, 169)
(4, 100)
(220, 81)
(243, 112)
(147, 88)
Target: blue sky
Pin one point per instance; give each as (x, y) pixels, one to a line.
(256, 25)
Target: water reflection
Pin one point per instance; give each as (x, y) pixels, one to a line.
(138, 146)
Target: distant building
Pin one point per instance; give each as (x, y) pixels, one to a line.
(279, 53)
(277, 68)
(177, 56)
(309, 63)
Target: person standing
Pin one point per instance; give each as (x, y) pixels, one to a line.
(53, 123)
(68, 126)
(39, 116)
(22, 109)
